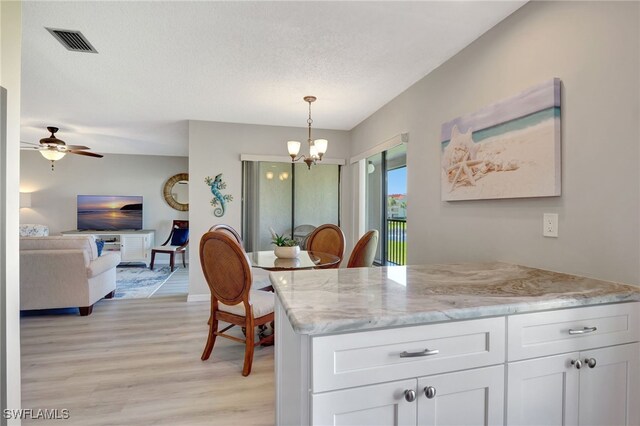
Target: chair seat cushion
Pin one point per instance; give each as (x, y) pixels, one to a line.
(262, 302)
(167, 248)
(260, 279)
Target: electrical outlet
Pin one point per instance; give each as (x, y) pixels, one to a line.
(550, 225)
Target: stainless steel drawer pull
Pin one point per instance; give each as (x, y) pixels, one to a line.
(584, 330)
(426, 352)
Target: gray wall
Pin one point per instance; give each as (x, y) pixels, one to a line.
(216, 148)
(53, 199)
(593, 47)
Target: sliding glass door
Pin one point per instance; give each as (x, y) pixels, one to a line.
(386, 204)
(289, 199)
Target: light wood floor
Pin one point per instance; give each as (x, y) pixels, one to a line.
(137, 362)
(177, 284)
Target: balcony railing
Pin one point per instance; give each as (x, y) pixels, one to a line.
(396, 241)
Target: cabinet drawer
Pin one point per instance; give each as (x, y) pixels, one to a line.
(547, 333)
(356, 359)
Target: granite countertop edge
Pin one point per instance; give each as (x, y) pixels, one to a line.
(437, 316)
(330, 324)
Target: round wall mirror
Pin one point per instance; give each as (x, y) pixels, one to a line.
(176, 191)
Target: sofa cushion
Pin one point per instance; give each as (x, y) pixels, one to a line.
(82, 242)
(103, 263)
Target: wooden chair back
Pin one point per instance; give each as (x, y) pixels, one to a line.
(364, 252)
(327, 238)
(226, 268)
(228, 230)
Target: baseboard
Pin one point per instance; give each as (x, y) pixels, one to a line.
(198, 298)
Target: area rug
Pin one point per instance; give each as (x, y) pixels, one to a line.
(139, 282)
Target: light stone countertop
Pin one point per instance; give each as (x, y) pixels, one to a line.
(340, 300)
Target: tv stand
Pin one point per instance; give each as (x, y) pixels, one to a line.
(134, 246)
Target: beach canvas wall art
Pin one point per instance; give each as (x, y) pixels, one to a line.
(109, 212)
(509, 149)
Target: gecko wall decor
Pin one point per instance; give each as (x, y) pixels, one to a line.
(219, 200)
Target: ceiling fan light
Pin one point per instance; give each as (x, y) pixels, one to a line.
(293, 147)
(52, 154)
(321, 145)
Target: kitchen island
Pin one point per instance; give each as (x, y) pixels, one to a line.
(455, 344)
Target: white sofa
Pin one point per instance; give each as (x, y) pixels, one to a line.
(63, 272)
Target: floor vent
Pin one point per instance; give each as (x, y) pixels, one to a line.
(72, 40)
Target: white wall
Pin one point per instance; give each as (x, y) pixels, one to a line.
(53, 198)
(593, 47)
(216, 148)
(10, 49)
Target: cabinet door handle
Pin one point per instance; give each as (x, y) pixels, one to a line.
(584, 330)
(425, 352)
(577, 363)
(430, 392)
(591, 362)
(410, 395)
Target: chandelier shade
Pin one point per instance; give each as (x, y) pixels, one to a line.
(317, 148)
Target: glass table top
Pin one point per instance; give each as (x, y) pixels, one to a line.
(306, 260)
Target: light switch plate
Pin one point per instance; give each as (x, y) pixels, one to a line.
(550, 225)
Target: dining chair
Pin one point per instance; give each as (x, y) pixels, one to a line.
(327, 238)
(261, 279)
(229, 230)
(227, 271)
(301, 234)
(177, 242)
(364, 252)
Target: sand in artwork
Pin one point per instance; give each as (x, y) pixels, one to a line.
(513, 163)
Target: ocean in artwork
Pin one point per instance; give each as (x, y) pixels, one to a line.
(109, 213)
(509, 149)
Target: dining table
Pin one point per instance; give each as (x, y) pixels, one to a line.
(307, 259)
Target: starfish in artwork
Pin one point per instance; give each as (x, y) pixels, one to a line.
(463, 166)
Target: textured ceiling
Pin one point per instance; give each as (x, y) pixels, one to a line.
(162, 63)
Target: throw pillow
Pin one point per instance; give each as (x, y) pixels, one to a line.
(100, 246)
(180, 236)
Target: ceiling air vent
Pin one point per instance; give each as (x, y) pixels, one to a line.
(72, 40)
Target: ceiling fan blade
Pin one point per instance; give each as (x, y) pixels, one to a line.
(30, 143)
(88, 154)
(70, 147)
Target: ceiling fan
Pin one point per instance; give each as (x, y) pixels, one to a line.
(54, 149)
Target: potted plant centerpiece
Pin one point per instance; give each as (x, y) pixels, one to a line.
(286, 248)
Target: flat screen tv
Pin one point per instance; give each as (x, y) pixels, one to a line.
(109, 212)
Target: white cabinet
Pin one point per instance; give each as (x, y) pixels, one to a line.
(473, 397)
(554, 391)
(383, 404)
(543, 391)
(609, 391)
(360, 378)
(590, 376)
(136, 247)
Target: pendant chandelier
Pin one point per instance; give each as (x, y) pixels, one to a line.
(317, 148)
